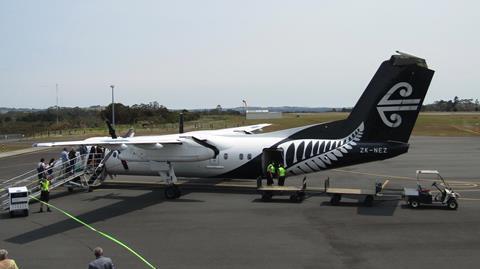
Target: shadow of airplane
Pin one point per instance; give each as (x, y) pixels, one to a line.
(124, 206)
(127, 204)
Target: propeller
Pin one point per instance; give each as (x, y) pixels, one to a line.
(111, 131)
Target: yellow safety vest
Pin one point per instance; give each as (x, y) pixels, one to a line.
(271, 168)
(45, 185)
(281, 171)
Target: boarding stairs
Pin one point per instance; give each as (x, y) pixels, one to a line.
(83, 172)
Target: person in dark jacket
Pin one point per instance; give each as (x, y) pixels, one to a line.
(41, 169)
(72, 155)
(50, 166)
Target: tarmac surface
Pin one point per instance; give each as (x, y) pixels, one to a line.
(224, 224)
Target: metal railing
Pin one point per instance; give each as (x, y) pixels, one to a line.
(58, 174)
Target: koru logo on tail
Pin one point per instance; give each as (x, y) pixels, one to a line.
(388, 105)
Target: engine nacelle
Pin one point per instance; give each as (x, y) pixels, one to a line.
(188, 151)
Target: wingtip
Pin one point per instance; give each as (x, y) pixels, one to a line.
(41, 145)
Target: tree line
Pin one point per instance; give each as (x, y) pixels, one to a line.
(57, 119)
(453, 105)
(53, 119)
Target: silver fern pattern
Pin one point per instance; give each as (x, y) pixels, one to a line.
(312, 155)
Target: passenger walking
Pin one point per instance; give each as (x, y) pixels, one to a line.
(281, 175)
(100, 261)
(50, 166)
(83, 150)
(64, 158)
(91, 155)
(44, 193)
(72, 155)
(5, 262)
(41, 169)
(99, 155)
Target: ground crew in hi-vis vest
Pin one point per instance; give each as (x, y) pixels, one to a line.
(44, 193)
(281, 175)
(270, 174)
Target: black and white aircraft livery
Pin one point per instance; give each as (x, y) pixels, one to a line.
(378, 128)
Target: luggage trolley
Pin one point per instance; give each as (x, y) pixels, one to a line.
(297, 194)
(367, 195)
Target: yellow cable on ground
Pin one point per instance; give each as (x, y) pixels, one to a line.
(97, 231)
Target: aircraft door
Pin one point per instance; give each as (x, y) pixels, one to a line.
(270, 155)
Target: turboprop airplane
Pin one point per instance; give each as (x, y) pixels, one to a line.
(378, 128)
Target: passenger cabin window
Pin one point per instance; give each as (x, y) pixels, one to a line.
(225, 156)
(240, 156)
(249, 156)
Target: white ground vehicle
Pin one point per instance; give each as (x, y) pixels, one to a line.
(445, 196)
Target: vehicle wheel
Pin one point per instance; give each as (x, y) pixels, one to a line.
(170, 192)
(452, 204)
(414, 203)
(335, 200)
(25, 212)
(368, 200)
(178, 193)
(266, 196)
(295, 198)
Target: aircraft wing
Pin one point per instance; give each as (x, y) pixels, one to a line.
(108, 141)
(249, 129)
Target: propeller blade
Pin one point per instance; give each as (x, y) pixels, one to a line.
(111, 131)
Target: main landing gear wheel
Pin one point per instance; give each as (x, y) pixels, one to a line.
(172, 192)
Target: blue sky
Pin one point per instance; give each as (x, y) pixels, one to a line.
(197, 54)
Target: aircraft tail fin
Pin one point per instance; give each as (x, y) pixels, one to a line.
(387, 109)
(390, 104)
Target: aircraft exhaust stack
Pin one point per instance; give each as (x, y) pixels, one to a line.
(180, 123)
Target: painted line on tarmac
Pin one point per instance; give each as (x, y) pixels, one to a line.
(469, 190)
(372, 174)
(400, 177)
(465, 130)
(469, 199)
(211, 185)
(97, 231)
